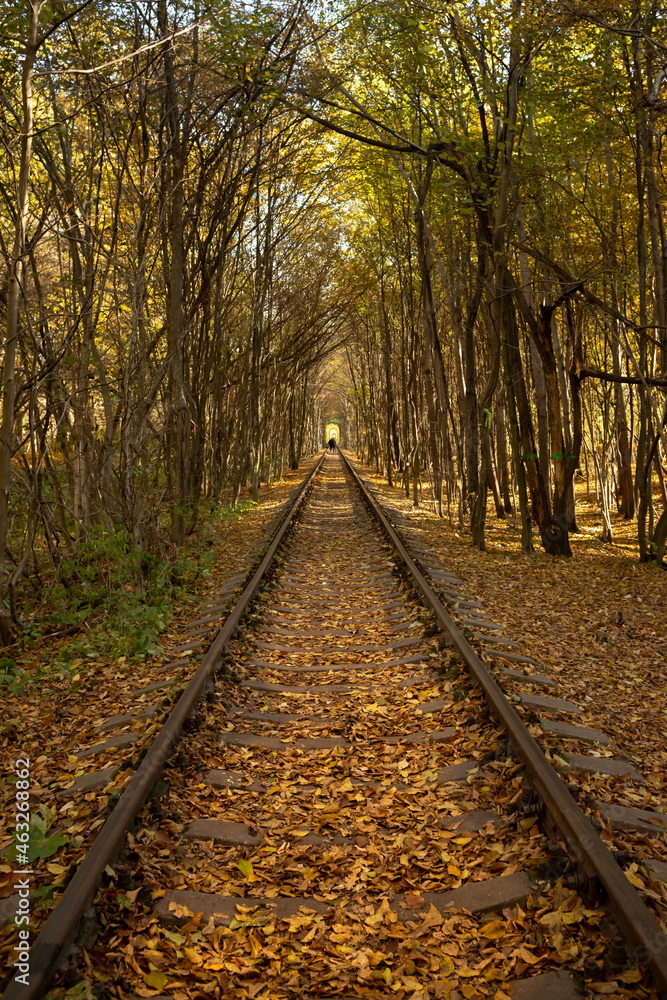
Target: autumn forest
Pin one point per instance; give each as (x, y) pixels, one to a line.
(438, 226)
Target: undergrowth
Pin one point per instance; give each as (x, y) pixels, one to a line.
(111, 598)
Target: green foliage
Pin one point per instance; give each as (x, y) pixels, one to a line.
(130, 590)
(228, 513)
(123, 597)
(42, 898)
(15, 680)
(82, 991)
(40, 844)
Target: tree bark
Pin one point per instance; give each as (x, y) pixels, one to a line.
(177, 434)
(16, 272)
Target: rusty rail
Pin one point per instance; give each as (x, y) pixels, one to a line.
(591, 855)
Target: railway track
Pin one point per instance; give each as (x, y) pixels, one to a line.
(348, 814)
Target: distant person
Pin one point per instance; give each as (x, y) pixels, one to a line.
(332, 444)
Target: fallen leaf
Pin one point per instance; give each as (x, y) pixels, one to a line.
(156, 980)
(414, 902)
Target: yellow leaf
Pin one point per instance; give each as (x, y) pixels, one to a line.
(446, 966)
(387, 912)
(245, 867)
(465, 970)
(494, 929)
(432, 918)
(494, 973)
(193, 957)
(631, 976)
(574, 914)
(383, 914)
(525, 955)
(156, 980)
(214, 966)
(461, 840)
(298, 921)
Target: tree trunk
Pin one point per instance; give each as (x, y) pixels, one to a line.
(16, 271)
(554, 534)
(535, 360)
(626, 490)
(515, 441)
(390, 406)
(478, 521)
(502, 460)
(177, 436)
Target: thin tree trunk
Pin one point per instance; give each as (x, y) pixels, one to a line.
(15, 283)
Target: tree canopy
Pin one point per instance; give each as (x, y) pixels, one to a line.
(438, 225)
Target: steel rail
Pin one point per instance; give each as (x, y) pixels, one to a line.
(592, 856)
(60, 928)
